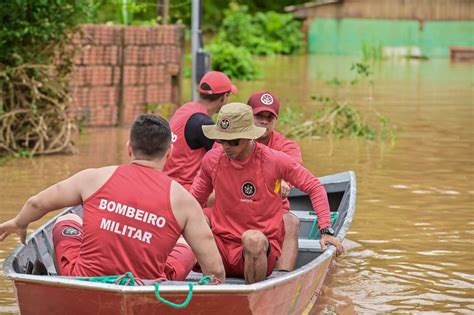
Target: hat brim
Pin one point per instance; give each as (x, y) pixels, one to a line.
(233, 89)
(263, 109)
(215, 133)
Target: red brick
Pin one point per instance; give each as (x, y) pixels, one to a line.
(144, 55)
(152, 94)
(131, 55)
(129, 75)
(155, 35)
(116, 73)
(172, 68)
(110, 55)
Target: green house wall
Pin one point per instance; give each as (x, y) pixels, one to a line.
(351, 36)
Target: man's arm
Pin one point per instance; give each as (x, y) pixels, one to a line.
(63, 194)
(300, 177)
(202, 185)
(193, 133)
(196, 232)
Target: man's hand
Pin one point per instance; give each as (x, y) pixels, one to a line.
(10, 227)
(327, 239)
(285, 189)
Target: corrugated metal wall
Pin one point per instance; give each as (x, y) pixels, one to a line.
(424, 10)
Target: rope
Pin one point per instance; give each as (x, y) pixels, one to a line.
(129, 279)
(126, 279)
(169, 303)
(209, 280)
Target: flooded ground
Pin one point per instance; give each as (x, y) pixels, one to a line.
(411, 244)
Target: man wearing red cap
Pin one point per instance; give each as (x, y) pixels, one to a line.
(265, 107)
(189, 142)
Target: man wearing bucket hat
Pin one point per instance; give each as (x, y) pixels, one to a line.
(266, 107)
(246, 217)
(189, 142)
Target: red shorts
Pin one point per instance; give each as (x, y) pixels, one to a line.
(233, 256)
(67, 240)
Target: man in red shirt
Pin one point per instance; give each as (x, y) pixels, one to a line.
(133, 216)
(265, 107)
(246, 217)
(189, 143)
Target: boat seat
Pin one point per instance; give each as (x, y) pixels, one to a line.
(196, 276)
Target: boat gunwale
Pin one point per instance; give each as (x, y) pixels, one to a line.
(348, 177)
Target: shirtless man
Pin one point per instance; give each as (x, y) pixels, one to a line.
(247, 217)
(133, 216)
(266, 107)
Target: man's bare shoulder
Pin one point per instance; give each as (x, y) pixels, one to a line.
(97, 172)
(182, 203)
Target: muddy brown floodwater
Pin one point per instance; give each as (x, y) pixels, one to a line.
(411, 245)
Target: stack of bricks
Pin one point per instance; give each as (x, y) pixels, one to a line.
(122, 69)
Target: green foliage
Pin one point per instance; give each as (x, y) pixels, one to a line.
(36, 56)
(335, 81)
(236, 62)
(333, 118)
(263, 33)
(361, 69)
(148, 12)
(372, 51)
(164, 110)
(30, 29)
(128, 12)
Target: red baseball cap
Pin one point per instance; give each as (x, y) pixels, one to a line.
(217, 82)
(264, 101)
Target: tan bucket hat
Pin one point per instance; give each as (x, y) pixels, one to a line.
(234, 121)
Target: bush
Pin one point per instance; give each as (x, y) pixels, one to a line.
(36, 57)
(236, 62)
(263, 34)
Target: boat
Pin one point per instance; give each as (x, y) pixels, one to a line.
(39, 290)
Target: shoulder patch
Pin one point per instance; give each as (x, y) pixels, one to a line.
(71, 231)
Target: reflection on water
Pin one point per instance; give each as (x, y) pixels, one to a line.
(411, 243)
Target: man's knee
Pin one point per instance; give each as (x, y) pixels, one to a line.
(70, 216)
(254, 242)
(292, 224)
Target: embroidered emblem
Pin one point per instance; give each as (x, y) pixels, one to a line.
(225, 123)
(266, 99)
(71, 231)
(248, 189)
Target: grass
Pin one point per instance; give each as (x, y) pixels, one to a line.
(336, 119)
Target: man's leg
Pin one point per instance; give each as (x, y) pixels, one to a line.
(289, 251)
(67, 240)
(180, 261)
(255, 246)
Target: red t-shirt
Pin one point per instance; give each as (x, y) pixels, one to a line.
(245, 192)
(183, 163)
(128, 225)
(280, 143)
